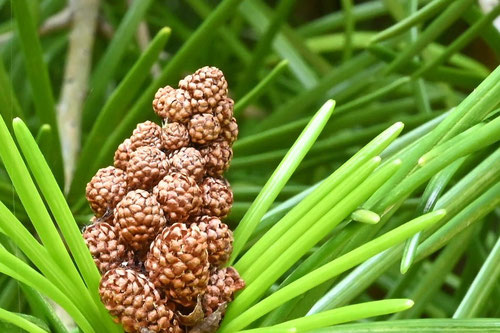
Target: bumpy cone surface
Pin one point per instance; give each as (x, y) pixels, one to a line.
(177, 106)
(204, 128)
(122, 155)
(224, 111)
(179, 196)
(221, 288)
(104, 245)
(217, 197)
(160, 99)
(146, 134)
(174, 136)
(136, 303)
(146, 167)
(139, 218)
(229, 132)
(106, 189)
(219, 237)
(207, 86)
(218, 155)
(188, 161)
(178, 263)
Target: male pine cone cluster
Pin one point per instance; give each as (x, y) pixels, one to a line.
(157, 235)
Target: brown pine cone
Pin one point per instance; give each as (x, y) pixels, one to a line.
(179, 196)
(174, 136)
(133, 299)
(218, 155)
(203, 128)
(229, 132)
(160, 100)
(122, 155)
(177, 106)
(221, 288)
(104, 245)
(106, 189)
(207, 86)
(178, 263)
(146, 134)
(224, 111)
(188, 160)
(219, 239)
(146, 167)
(217, 197)
(139, 218)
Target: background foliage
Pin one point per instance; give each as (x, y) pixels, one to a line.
(342, 213)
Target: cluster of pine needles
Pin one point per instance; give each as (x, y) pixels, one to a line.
(366, 178)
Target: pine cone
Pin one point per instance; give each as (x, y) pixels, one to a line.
(160, 99)
(179, 196)
(229, 132)
(104, 245)
(147, 165)
(218, 155)
(221, 288)
(146, 134)
(136, 303)
(207, 86)
(106, 189)
(122, 155)
(219, 238)
(139, 218)
(188, 160)
(177, 106)
(224, 111)
(174, 136)
(203, 128)
(178, 263)
(217, 197)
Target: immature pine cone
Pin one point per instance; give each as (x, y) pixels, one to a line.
(203, 128)
(103, 243)
(224, 111)
(136, 303)
(221, 288)
(218, 155)
(146, 134)
(122, 155)
(219, 239)
(229, 132)
(106, 189)
(177, 106)
(174, 136)
(160, 100)
(188, 161)
(139, 218)
(178, 263)
(207, 86)
(179, 196)
(146, 167)
(217, 197)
